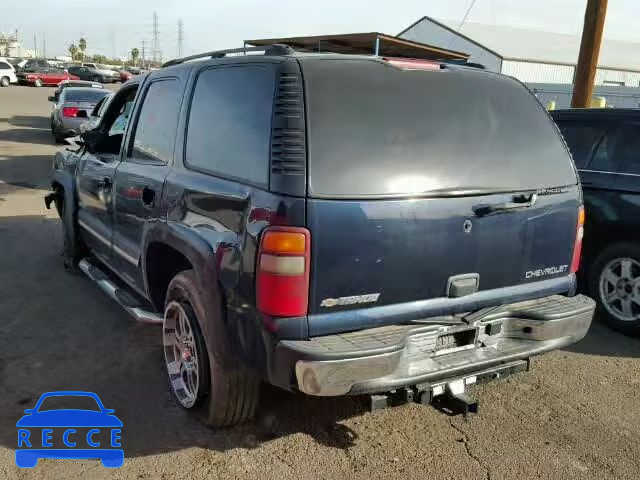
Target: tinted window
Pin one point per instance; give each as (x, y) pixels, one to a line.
(378, 130)
(4, 66)
(582, 139)
(92, 95)
(230, 122)
(619, 151)
(155, 134)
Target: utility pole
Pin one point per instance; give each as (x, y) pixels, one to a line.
(35, 47)
(143, 52)
(44, 45)
(594, 16)
(180, 37)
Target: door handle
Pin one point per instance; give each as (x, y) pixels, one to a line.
(148, 197)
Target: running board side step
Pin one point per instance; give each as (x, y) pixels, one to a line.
(124, 299)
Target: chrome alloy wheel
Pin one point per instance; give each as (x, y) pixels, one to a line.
(181, 354)
(619, 289)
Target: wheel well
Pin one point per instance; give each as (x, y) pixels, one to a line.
(162, 264)
(600, 238)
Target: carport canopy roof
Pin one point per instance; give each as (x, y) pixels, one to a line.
(364, 44)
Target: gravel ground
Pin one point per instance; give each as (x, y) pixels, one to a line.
(576, 415)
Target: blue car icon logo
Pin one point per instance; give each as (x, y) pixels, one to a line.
(84, 433)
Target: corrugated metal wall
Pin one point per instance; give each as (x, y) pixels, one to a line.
(626, 78)
(538, 72)
(426, 31)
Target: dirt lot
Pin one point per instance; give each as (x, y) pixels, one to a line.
(575, 415)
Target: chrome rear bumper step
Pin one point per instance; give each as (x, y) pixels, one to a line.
(120, 295)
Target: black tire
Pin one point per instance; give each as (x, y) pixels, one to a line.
(72, 247)
(96, 79)
(609, 258)
(38, 83)
(227, 391)
(4, 82)
(58, 138)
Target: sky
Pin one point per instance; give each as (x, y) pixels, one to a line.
(114, 27)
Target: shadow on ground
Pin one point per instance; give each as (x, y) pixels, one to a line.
(60, 332)
(26, 171)
(29, 121)
(602, 340)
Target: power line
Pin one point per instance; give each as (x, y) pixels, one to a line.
(464, 19)
(180, 37)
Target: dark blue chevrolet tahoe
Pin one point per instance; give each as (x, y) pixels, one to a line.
(329, 224)
(605, 144)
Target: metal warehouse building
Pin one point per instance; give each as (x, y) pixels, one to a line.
(538, 58)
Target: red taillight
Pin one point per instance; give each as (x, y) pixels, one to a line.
(412, 63)
(577, 246)
(282, 281)
(69, 111)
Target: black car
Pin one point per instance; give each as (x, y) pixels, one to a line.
(331, 224)
(88, 74)
(605, 144)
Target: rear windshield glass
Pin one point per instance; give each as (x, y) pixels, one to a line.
(375, 129)
(85, 95)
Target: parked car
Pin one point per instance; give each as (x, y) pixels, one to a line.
(72, 83)
(7, 73)
(73, 108)
(107, 74)
(34, 64)
(96, 113)
(125, 75)
(378, 227)
(605, 144)
(44, 76)
(90, 74)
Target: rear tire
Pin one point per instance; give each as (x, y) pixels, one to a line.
(222, 391)
(37, 83)
(614, 282)
(4, 82)
(96, 79)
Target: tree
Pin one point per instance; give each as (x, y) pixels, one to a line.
(135, 53)
(98, 58)
(82, 43)
(73, 50)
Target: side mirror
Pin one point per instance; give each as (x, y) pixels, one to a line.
(82, 114)
(53, 99)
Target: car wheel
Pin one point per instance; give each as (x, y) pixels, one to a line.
(37, 83)
(96, 79)
(72, 246)
(4, 82)
(614, 281)
(220, 390)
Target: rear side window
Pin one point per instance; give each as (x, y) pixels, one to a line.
(619, 151)
(229, 126)
(155, 135)
(582, 138)
(4, 66)
(378, 130)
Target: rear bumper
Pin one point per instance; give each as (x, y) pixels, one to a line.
(386, 358)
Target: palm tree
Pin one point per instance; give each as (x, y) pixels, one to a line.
(82, 43)
(73, 50)
(135, 53)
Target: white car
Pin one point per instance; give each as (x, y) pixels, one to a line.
(7, 73)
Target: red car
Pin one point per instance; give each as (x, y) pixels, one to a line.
(124, 75)
(45, 76)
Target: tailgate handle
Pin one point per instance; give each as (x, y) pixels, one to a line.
(518, 202)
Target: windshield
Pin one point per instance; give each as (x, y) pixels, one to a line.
(388, 131)
(60, 402)
(84, 94)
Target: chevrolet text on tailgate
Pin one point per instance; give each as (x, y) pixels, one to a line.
(332, 224)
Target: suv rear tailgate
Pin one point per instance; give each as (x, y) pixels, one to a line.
(419, 176)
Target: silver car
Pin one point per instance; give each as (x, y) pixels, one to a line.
(72, 109)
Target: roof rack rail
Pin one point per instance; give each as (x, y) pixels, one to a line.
(274, 49)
